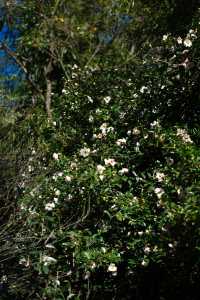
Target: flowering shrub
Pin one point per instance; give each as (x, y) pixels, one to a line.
(108, 188)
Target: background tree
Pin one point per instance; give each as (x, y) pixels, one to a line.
(105, 142)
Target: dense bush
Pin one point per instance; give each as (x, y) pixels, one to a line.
(107, 183)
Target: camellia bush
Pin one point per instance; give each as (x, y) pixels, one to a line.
(107, 151)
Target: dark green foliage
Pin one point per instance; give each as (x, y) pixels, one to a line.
(102, 154)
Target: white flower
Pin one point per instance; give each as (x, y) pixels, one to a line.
(54, 123)
(170, 245)
(103, 249)
(140, 233)
(165, 37)
(22, 261)
(105, 129)
(110, 162)
(160, 176)
(93, 265)
(73, 165)
(123, 171)
(137, 147)
(47, 260)
(55, 177)
(107, 99)
(74, 67)
(85, 152)
(155, 124)
(23, 207)
(144, 263)
(179, 40)
(49, 206)
(90, 99)
(159, 192)
(91, 119)
(121, 142)
(100, 169)
(55, 200)
(112, 268)
(101, 177)
(60, 174)
(68, 178)
(64, 91)
(55, 156)
(57, 192)
(30, 168)
(70, 196)
(143, 89)
(182, 133)
(147, 250)
(135, 131)
(187, 43)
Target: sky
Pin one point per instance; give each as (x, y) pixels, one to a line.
(8, 68)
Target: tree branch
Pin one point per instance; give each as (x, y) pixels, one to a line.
(13, 55)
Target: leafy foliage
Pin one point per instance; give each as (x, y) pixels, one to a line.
(107, 180)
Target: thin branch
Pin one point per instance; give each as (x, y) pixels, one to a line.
(13, 55)
(48, 99)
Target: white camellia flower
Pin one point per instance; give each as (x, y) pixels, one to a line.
(165, 37)
(182, 133)
(55, 156)
(90, 99)
(110, 162)
(187, 43)
(85, 152)
(101, 177)
(155, 124)
(160, 176)
(159, 192)
(93, 265)
(143, 89)
(179, 40)
(107, 99)
(100, 169)
(121, 142)
(147, 250)
(105, 129)
(24, 262)
(123, 171)
(144, 263)
(55, 200)
(68, 178)
(112, 268)
(57, 192)
(135, 131)
(91, 119)
(50, 206)
(64, 91)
